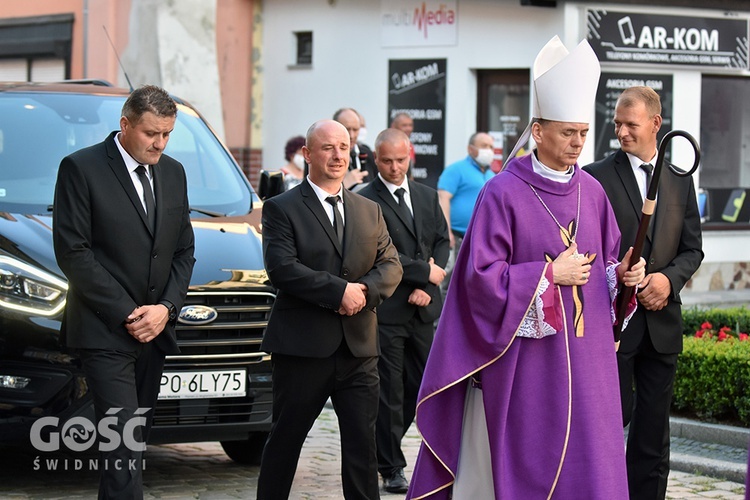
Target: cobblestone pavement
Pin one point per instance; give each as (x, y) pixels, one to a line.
(203, 471)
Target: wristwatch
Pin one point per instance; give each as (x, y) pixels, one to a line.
(172, 310)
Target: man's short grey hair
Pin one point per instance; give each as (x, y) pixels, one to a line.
(148, 99)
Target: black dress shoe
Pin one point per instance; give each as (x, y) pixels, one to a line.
(396, 482)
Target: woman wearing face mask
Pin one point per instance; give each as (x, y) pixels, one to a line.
(294, 170)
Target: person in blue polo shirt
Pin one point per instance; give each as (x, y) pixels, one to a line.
(458, 188)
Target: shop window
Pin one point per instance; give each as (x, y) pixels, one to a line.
(36, 48)
(725, 164)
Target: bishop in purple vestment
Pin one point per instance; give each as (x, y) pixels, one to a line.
(520, 396)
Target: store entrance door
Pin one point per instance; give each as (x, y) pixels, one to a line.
(503, 107)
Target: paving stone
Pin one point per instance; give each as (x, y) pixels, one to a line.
(202, 471)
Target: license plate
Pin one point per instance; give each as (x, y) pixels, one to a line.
(208, 384)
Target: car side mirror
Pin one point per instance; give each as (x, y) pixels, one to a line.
(271, 184)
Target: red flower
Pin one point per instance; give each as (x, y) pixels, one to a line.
(725, 332)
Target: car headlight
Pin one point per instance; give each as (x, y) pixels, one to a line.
(25, 288)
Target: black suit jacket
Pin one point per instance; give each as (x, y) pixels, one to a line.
(673, 247)
(366, 160)
(310, 270)
(105, 248)
(416, 243)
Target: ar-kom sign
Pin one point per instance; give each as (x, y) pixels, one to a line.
(418, 23)
(634, 38)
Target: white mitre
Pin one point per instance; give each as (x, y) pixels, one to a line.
(564, 87)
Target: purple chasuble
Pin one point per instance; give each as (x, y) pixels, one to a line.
(552, 403)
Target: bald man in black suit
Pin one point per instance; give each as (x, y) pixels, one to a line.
(329, 254)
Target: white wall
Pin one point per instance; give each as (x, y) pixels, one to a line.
(173, 45)
(350, 68)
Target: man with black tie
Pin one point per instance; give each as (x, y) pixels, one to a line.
(123, 238)
(650, 344)
(405, 320)
(328, 253)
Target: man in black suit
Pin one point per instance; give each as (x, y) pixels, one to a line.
(405, 320)
(361, 160)
(123, 238)
(652, 340)
(332, 265)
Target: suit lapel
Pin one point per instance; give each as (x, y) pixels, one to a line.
(625, 172)
(667, 187)
(350, 215)
(389, 200)
(159, 194)
(313, 203)
(416, 202)
(117, 164)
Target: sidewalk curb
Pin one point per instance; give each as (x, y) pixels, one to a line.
(727, 435)
(721, 469)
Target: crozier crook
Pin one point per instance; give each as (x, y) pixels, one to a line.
(649, 206)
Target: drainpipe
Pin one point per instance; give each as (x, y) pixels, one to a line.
(85, 38)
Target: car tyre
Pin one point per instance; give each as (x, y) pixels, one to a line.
(248, 451)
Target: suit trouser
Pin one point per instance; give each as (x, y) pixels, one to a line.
(301, 386)
(403, 355)
(649, 376)
(127, 380)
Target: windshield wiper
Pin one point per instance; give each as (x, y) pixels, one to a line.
(210, 213)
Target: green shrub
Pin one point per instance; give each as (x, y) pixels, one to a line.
(713, 377)
(712, 380)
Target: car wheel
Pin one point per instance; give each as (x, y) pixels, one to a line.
(248, 451)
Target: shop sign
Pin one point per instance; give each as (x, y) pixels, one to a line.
(635, 38)
(417, 87)
(424, 23)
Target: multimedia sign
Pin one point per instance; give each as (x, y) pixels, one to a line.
(418, 23)
(635, 38)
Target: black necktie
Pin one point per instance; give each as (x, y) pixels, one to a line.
(649, 169)
(400, 193)
(148, 196)
(338, 222)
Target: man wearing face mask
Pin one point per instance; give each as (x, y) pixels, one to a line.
(458, 189)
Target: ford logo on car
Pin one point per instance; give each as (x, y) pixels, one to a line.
(197, 315)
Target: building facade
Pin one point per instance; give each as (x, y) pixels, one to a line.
(263, 70)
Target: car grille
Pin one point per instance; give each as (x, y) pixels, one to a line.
(238, 328)
(232, 340)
